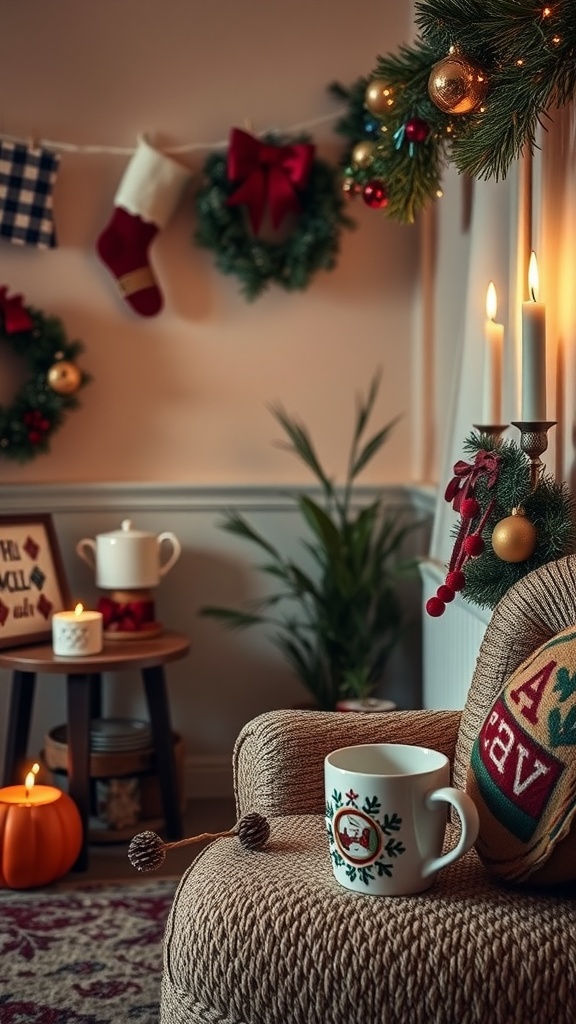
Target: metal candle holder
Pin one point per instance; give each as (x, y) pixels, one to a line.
(533, 442)
(494, 430)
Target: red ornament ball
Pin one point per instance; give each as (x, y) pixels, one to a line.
(435, 607)
(456, 580)
(469, 508)
(416, 130)
(375, 195)
(446, 594)
(474, 545)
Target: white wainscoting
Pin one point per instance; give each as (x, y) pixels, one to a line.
(451, 645)
(228, 678)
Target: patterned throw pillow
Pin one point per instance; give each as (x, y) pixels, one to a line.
(522, 775)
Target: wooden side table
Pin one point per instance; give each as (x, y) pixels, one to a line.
(83, 677)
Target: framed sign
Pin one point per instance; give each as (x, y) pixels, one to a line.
(32, 580)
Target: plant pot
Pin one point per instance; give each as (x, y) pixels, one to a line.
(365, 706)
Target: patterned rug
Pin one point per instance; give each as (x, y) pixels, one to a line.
(89, 955)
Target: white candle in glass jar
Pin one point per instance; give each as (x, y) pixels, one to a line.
(76, 633)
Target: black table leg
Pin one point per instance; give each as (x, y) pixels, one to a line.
(18, 726)
(80, 692)
(156, 696)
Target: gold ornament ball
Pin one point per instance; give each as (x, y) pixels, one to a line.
(378, 97)
(514, 538)
(64, 377)
(363, 153)
(456, 85)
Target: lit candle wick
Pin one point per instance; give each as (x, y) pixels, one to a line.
(30, 779)
(79, 609)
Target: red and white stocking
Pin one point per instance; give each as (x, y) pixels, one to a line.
(148, 194)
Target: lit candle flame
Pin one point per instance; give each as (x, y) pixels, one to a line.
(31, 778)
(491, 302)
(79, 609)
(533, 278)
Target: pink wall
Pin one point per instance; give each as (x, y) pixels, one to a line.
(183, 397)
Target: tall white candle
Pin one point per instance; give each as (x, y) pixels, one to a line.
(533, 350)
(77, 633)
(493, 356)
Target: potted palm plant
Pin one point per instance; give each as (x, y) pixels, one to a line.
(336, 614)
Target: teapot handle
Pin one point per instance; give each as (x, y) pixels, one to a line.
(83, 547)
(175, 553)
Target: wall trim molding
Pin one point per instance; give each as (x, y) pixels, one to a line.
(93, 497)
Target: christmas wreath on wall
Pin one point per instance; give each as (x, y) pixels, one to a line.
(507, 526)
(286, 181)
(40, 405)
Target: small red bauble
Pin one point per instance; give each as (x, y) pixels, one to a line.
(474, 545)
(435, 607)
(375, 195)
(446, 594)
(416, 130)
(469, 508)
(456, 580)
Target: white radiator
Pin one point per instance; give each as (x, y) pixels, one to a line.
(451, 643)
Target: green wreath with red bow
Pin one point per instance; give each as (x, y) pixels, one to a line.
(41, 404)
(283, 181)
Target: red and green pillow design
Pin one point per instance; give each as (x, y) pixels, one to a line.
(522, 774)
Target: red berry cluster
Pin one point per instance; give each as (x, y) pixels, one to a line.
(38, 425)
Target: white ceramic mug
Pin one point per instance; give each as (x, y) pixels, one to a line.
(386, 812)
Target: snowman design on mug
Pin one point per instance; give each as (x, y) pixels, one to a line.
(358, 837)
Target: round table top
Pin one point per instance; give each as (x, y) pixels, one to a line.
(115, 656)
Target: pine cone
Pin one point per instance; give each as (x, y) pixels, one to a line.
(146, 851)
(253, 831)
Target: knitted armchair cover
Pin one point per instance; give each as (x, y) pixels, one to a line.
(271, 937)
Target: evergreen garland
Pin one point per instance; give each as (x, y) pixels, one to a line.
(313, 244)
(526, 51)
(549, 507)
(37, 410)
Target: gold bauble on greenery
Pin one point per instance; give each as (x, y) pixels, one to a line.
(363, 153)
(379, 97)
(64, 377)
(456, 85)
(514, 538)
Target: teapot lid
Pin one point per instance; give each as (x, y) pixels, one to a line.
(126, 531)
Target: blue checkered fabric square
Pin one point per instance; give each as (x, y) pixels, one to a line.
(27, 179)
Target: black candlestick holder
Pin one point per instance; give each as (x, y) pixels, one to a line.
(534, 442)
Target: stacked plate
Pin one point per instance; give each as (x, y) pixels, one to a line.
(119, 735)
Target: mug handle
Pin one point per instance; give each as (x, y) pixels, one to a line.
(82, 549)
(469, 821)
(175, 553)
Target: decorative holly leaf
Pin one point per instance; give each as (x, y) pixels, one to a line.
(390, 824)
(565, 684)
(365, 875)
(372, 806)
(329, 812)
(383, 868)
(337, 798)
(562, 731)
(394, 848)
(351, 872)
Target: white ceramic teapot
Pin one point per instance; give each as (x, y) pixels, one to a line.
(128, 559)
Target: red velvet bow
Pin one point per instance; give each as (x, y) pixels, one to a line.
(127, 617)
(466, 475)
(16, 318)
(267, 173)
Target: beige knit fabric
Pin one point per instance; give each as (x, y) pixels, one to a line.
(272, 938)
(279, 756)
(531, 612)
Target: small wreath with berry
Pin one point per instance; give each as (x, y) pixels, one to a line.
(234, 194)
(40, 406)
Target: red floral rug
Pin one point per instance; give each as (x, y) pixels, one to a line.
(90, 955)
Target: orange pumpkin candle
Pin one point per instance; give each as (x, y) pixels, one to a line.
(40, 834)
